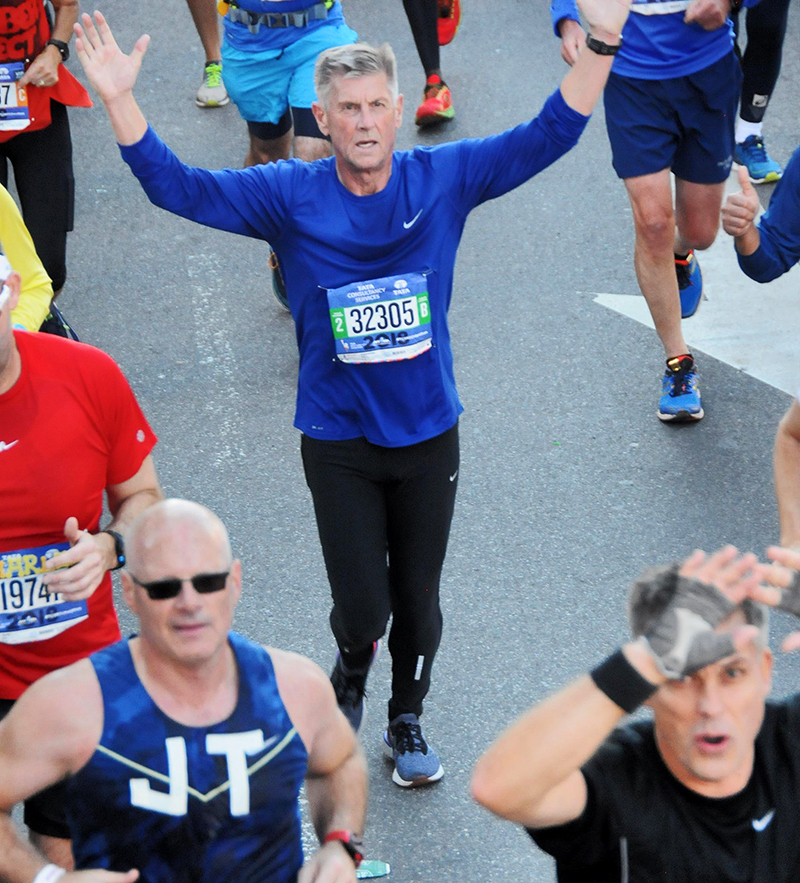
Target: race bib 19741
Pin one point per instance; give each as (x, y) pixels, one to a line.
(381, 320)
(28, 612)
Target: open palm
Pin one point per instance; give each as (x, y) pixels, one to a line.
(110, 71)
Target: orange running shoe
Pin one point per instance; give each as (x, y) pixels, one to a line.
(437, 103)
(449, 20)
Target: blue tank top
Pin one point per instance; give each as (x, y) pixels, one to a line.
(193, 804)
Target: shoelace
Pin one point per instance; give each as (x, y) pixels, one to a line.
(682, 383)
(349, 690)
(755, 145)
(683, 273)
(433, 90)
(213, 75)
(407, 738)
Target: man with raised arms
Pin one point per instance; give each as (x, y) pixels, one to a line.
(368, 242)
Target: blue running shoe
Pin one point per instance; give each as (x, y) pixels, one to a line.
(349, 685)
(680, 392)
(415, 762)
(752, 154)
(690, 284)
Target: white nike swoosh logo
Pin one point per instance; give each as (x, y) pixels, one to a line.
(7, 447)
(453, 476)
(409, 224)
(760, 824)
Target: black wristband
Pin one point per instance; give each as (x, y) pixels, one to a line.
(119, 548)
(621, 682)
(61, 46)
(600, 47)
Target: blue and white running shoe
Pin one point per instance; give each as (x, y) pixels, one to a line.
(680, 392)
(752, 154)
(690, 284)
(415, 762)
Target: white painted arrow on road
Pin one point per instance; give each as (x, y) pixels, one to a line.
(755, 328)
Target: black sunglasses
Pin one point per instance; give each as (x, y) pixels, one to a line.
(204, 583)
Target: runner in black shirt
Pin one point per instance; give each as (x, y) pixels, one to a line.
(707, 790)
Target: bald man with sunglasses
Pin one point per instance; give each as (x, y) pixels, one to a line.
(183, 749)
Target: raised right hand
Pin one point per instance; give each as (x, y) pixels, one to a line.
(110, 71)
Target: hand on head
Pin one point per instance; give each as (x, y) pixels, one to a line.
(678, 610)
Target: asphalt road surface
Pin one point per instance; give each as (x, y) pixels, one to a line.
(569, 484)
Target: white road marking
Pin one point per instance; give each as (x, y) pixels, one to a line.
(753, 327)
(216, 356)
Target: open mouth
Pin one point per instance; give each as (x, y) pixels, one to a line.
(712, 742)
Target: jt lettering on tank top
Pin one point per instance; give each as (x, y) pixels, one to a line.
(235, 747)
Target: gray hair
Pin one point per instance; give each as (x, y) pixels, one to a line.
(651, 593)
(354, 60)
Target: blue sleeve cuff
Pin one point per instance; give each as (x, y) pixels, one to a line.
(566, 114)
(130, 152)
(560, 9)
(760, 265)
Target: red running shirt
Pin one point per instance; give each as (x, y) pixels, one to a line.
(69, 427)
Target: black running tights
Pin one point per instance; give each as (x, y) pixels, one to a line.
(423, 16)
(384, 516)
(761, 64)
(42, 162)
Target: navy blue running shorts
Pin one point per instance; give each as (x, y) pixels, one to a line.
(684, 123)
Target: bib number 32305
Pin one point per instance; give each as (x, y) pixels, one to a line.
(381, 320)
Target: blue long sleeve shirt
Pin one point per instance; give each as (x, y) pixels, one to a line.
(779, 249)
(327, 237)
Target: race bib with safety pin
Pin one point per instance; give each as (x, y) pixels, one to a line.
(14, 112)
(381, 320)
(28, 612)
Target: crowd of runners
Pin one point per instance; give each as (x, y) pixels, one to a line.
(179, 754)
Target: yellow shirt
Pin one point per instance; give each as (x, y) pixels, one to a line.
(37, 287)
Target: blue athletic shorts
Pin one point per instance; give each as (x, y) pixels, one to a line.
(685, 123)
(264, 83)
